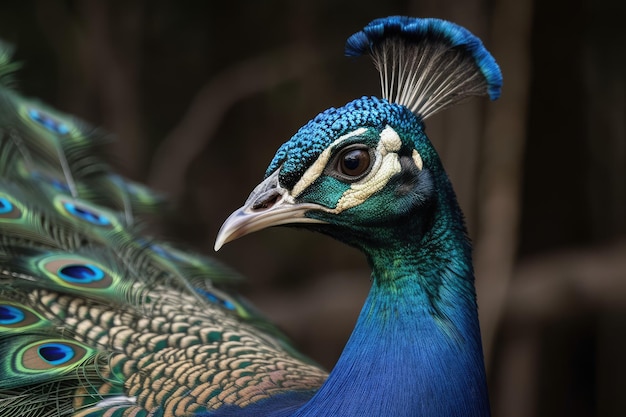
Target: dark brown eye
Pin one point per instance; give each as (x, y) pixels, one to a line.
(354, 162)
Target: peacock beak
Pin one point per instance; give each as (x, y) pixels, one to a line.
(269, 204)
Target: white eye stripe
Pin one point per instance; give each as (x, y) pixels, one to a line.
(385, 165)
(347, 136)
(388, 166)
(316, 169)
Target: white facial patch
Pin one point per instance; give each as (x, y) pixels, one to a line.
(316, 169)
(387, 165)
(390, 140)
(418, 160)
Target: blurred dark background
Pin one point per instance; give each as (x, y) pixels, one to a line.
(199, 95)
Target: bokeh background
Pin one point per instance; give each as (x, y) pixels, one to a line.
(199, 95)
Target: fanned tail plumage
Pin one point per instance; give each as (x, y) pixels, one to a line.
(91, 309)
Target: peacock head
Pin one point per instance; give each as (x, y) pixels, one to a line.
(350, 172)
(366, 173)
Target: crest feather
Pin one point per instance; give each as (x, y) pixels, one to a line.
(427, 64)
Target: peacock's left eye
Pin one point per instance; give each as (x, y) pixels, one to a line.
(354, 162)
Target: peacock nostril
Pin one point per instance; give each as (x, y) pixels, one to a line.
(266, 202)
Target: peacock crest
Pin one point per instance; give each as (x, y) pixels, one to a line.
(427, 64)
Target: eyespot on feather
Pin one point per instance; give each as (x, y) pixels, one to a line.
(56, 183)
(81, 273)
(213, 298)
(48, 122)
(8, 209)
(82, 212)
(10, 315)
(15, 316)
(85, 212)
(163, 252)
(76, 272)
(49, 354)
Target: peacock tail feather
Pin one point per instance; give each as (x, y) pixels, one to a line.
(97, 318)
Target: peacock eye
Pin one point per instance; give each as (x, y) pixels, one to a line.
(354, 162)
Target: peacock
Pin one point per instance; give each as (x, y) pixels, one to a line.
(98, 318)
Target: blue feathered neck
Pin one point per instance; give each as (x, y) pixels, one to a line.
(416, 348)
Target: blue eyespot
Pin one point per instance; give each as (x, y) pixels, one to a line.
(5, 205)
(48, 122)
(161, 251)
(59, 185)
(81, 273)
(86, 214)
(55, 353)
(10, 315)
(215, 299)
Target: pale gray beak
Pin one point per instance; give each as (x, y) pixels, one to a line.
(269, 204)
